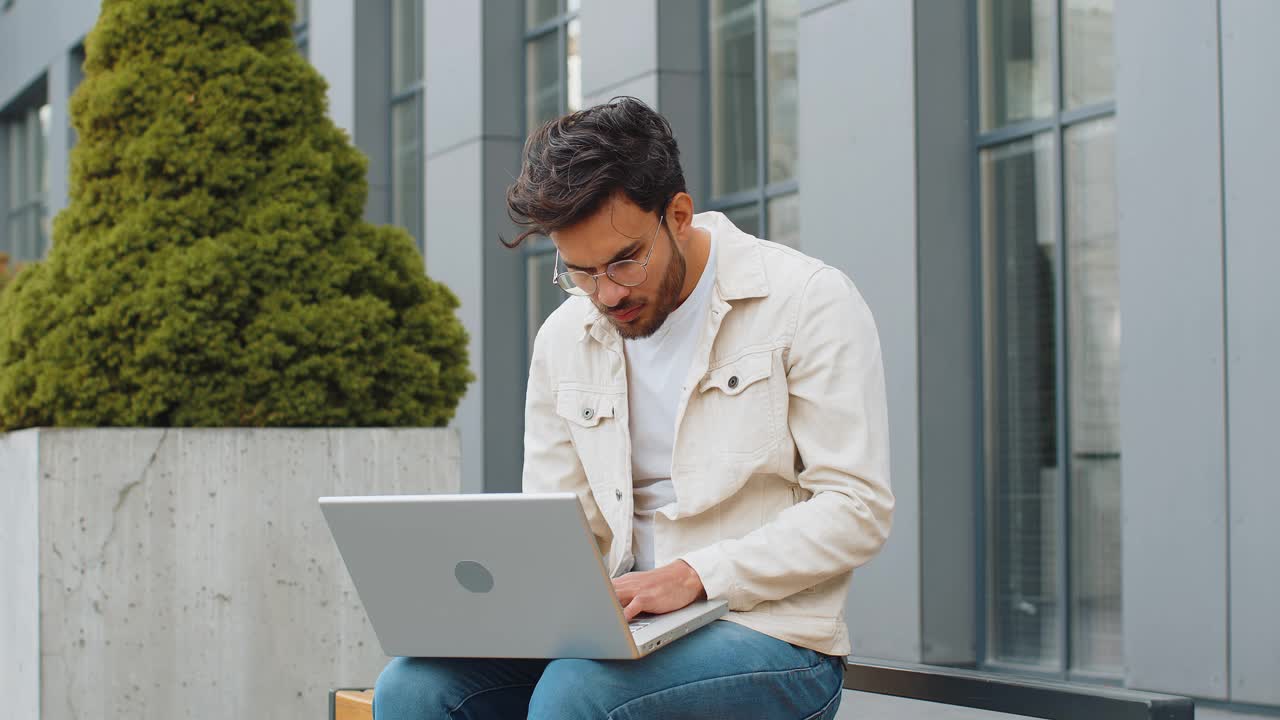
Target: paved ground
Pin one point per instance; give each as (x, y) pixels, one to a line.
(868, 706)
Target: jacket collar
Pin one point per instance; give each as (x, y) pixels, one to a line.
(740, 272)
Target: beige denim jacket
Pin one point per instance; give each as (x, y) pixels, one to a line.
(781, 456)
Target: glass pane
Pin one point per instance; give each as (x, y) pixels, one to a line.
(44, 231)
(782, 88)
(27, 234)
(406, 43)
(573, 67)
(1015, 63)
(11, 242)
(40, 152)
(1019, 279)
(784, 220)
(17, 163)
(542, 81)
(733, 96)
(407, 191)
(537, 12)
(544, 297)
(1093, 322)
(1088, 53)
(746, 218)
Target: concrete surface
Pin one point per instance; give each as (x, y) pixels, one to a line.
(188, 572)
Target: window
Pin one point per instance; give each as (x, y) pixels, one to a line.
(26, 222)
(553, 87)
(407, 162)
(553, 64)
(1051, 342)
(301, 25)
(753, 89)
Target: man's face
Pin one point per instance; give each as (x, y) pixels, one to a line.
(620, 230)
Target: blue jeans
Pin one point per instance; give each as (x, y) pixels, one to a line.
(721, 671)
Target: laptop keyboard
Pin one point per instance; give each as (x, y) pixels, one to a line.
(637, 625)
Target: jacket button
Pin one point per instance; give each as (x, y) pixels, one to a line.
(733, 382)
(588, 413)
(617, 494)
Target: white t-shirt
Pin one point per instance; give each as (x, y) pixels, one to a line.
(656, 369)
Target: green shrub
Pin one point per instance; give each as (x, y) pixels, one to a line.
(212, 267)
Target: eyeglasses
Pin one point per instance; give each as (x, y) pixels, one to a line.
(627, 273)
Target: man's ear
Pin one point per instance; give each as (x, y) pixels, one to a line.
(680, 213)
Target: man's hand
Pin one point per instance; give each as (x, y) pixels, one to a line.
(663, 590)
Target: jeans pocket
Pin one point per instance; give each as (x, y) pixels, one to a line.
(828, 711)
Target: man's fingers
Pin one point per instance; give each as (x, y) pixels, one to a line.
(625, 595)
(633, 608)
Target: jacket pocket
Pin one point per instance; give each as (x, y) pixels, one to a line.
(733, 378)
(584, 408)
(598, 441)
(740, 411)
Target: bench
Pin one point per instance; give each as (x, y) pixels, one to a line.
(1045, 699)
(350, 704)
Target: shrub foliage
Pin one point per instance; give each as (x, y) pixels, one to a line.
(212, 266)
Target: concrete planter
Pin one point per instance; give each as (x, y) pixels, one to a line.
(188, 573)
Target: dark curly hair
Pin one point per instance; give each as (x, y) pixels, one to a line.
(574, 163)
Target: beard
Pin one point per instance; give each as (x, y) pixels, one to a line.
(667, 300)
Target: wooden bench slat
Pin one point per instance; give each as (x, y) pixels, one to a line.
(353, 705)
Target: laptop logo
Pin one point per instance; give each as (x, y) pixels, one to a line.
(473, 576)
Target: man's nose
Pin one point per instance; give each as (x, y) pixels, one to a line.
(610, 292)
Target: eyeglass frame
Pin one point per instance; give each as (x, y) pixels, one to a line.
(608, 269)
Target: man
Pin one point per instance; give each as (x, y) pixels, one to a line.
(717, 403)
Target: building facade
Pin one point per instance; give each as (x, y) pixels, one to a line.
(1009, 182)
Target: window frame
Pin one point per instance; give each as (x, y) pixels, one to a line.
(1055, 124)
(536, 246)
(31, 119)
(764, 191)
(399, 97)
(302, 27)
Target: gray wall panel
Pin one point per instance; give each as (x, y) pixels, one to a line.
(371, 63)
(34, 34)
(1251, 154)
(454, 71)
(503, 95)
(682, 35)
(454, 238)
(619, 42)
(474, 55)
(948, 332)
(857, 212)
(505, 366)
(643, 87)
(682, 98)
(682, 101)
(332, 50)
(1168, 173)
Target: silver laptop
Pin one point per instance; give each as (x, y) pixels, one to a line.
(498, 575)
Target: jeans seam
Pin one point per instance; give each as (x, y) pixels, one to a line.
(822, 711)
(477, 693)
(787, 671)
